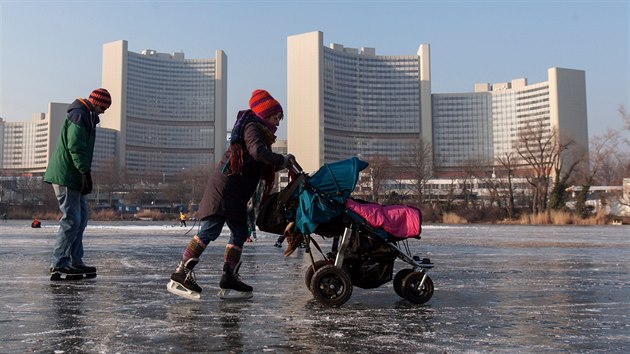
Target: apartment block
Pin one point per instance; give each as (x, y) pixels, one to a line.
(476, 128)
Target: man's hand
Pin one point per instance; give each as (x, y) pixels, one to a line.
(87, 183)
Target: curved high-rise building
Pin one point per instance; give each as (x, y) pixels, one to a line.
(345, 102)
(170, 111)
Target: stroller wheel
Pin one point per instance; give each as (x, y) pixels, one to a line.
(398, 279)
(331, 286)
(413, 292)
(308, 276)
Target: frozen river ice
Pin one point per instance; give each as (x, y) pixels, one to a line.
(497, 289)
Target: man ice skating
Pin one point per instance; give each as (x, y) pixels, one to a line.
(230, 186)
(69, 173)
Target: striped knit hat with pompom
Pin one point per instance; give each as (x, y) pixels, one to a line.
(263, 104)
(100, 97)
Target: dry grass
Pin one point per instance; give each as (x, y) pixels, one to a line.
(452, 218)
(155, 215)
(105, 215)
(560, 218)
(598, 219)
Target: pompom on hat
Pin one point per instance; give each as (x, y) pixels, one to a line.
(100, 97)
(263, 104)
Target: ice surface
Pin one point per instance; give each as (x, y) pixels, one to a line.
(497, 289)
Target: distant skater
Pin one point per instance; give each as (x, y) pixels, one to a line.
(182, 219)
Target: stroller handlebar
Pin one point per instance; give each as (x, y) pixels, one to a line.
(295, 165)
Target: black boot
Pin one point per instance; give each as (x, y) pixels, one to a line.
(230, 280)
(185, 277)
(66, 273)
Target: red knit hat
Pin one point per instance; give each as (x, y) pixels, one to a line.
(101, 97)
(263, 104)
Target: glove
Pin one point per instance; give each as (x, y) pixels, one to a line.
(288, 159)
(87, 183)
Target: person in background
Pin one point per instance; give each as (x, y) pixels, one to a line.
(230, 186)
(182, 219)
(69, 172)
(279, 241)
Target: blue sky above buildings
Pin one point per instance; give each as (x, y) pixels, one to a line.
(51, 50)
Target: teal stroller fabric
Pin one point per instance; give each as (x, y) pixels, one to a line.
(321, 197)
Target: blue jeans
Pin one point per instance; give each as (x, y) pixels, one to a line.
(211, 229)
(68, 249)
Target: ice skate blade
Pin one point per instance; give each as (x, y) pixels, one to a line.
(177, 289)
(65, 277)
(230, 294)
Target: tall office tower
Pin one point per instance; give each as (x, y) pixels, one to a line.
(474, 129)
(344, 102)
(25, 145)
(170, 112)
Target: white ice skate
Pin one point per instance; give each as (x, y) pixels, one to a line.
(179, 290)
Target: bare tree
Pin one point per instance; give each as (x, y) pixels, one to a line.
(626, 161)
(30, 188)
(507, 164)
(380, 169)
(568, 159)
(537, 149)
(624, 116)
(418, 166)
(109, 179)
(606, 160)
(471, 170)
(545, 154)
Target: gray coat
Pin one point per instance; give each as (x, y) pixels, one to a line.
(228, 195)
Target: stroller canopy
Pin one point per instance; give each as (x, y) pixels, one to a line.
(322, 196)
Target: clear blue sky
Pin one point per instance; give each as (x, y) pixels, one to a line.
(50, 51)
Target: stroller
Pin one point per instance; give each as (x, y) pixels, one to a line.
(370, 236)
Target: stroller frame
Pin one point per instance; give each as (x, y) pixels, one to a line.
(331, 282)
(334, 288)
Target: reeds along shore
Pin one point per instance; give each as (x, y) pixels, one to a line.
(547, 218)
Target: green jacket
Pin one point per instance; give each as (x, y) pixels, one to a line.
(72, 157)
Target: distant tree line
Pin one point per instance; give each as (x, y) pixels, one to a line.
(547, 161)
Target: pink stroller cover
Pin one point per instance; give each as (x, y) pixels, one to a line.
(399, 220)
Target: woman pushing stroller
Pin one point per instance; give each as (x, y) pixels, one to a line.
(230, 186)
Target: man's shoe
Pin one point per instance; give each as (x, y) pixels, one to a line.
(66, 273)
(88, 272)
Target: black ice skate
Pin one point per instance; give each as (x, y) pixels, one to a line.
(65, 273)
(183, 282)
(88, 272)
(231, 285)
